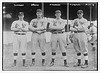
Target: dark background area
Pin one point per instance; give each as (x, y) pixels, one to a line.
(49, 11)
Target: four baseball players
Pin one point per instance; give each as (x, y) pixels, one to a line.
(57, 26)
(20, 28)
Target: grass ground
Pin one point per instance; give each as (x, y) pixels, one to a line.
(71, 56)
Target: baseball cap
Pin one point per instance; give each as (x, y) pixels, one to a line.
(79, 11)
(57, 11)
(38, 10)
(21, 13)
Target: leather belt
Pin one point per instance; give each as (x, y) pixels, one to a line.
(21, 33)
(78, 31)
(57, 32)
(38, 33)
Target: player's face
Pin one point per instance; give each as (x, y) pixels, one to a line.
(80, 15)
(39, 14)
(58, 15)
(21, 16)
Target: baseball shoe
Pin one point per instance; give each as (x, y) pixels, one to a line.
(14, 64)
(84, 66)
(32, 64)
(93, 48)
(77, 64)
(52, 63)
(43, 62)
(24, 65)
(66, 65)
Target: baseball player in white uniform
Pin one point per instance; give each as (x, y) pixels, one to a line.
(93, 34)
(37, 26)
(20, 28)
(58, 37)
(80, 28)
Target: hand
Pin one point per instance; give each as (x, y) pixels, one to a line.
(76, 23)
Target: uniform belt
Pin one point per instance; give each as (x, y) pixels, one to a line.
(57, 32)
(78, 31)
(38, 33)
(21, 33)
(93, 33)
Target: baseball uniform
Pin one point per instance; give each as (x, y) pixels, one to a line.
(93, 33)
(58, 38)
(19, 37)
(38, 37)
(80, 40)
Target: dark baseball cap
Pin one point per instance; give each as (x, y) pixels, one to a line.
(57, 11)
(20, 13)
(79, 11)
(39, 10)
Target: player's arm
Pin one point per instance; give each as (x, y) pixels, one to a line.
(14, 27)
(83, 27)
(25, 29)
(72, 28)
(56, 27)
(33, 28)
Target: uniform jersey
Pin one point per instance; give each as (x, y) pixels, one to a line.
(38, 23)
(59, 23)
(81, 22)
(93, 29)
(20, 24)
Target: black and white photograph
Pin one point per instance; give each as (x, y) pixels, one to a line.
(49, 36)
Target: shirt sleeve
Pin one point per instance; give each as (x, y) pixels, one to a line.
(85, 25)
(27, 25)
(13, 25)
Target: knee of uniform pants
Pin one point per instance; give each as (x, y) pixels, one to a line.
(83, 44)
(15, 46)
(54, 42)
(62, 44)
(34, 41)
(23, 44)
(76, 47)
(94, 37)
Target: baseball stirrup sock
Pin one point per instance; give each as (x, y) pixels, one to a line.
(86, 58)
(15, 62)
(43, 55)
(33, 54)
(24, 55)
(53, 54)
(33, 57)
(64, 55)
(65, 61)
(79, 57)
(43, 60)
(23, 61)
(15, 56)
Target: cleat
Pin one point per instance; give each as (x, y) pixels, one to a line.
(84, 66)
(43, 64)
(32, 64)
(77, 64)
(52, 63)
(24, 65)
(93, 49)
(66, 65)
(14, 64)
